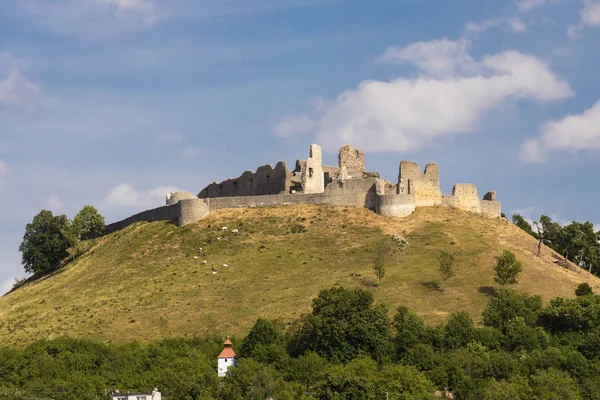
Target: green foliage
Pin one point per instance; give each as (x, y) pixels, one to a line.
(554, 385)
(410, 329)
(583, 289)
(551, 357)
(507, 304)
(446, 260)
(379, 266)
(520, 336)
(343, 324)
(459, 330)
(577, 241)
(88, 223)
(264, 342)
(45, 243)
(308, 369)
(515, 389)
(507, 268)
(581, 314)
(519, 221)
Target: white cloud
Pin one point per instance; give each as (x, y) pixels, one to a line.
(437, 57)
(16, 91)
(527, 5)
(571, 133)
(126, 195)
(169, 137)
(144, 8)
(53, 202)
(514, 24)
(191, 152)
(291, 125)
(3, 173)
(589, 16)
(449, 99)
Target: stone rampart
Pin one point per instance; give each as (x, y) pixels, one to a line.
(174, 198)
(466, 198)
(266, 180)
(396, 205)
(492, 208)
(263, 201)
(311, 182)
(424, 186)
(354, 193)
(165, 213)
(191, 210)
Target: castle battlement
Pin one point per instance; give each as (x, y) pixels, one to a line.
(311, 182)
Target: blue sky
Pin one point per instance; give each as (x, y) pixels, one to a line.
(117, 102)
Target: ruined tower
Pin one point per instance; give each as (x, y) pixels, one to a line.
(313, 180)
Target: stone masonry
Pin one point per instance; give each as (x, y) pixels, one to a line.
(311, 182)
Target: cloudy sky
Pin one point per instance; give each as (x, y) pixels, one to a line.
(117, 102)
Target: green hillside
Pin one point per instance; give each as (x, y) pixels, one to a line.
(145, 283)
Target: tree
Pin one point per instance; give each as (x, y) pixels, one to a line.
(522, 223)
(410, 329)
(379, 267)
(88, 223)
(446, 260)
(343, 324)
(459, 330)
(507, 268)
(308, 369)
(583, 289)
(548, 232)
(507, 304)
(264, 343)
(554, 385)
(46, 241)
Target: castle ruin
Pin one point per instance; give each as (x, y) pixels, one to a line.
(312, 182)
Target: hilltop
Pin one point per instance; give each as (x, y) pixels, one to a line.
(144, 282)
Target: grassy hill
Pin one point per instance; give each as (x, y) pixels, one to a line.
(145, 283)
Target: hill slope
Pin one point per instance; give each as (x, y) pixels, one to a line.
(145, 283)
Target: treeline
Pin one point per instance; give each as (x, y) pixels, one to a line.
(577, 241)
(49, 237)
(346, 348)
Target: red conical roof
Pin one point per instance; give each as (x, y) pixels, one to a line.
(227, 351)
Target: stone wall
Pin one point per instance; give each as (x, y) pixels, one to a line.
(354, 193)
(353, 160)
(466, 198)
(173, 198)
(492, 208)
(490, 196)
(165, 213)
(349, 193)
(396, 205)
(266, 180)
(263, 201)
(191, 210)
(424, 186)
(311, 182)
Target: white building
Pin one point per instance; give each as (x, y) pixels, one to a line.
(227, 358)
(155, 395)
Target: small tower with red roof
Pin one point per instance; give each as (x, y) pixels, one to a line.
(227, 358)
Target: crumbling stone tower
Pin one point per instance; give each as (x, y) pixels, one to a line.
(351, 162)
(424, 186)
(313, 180)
